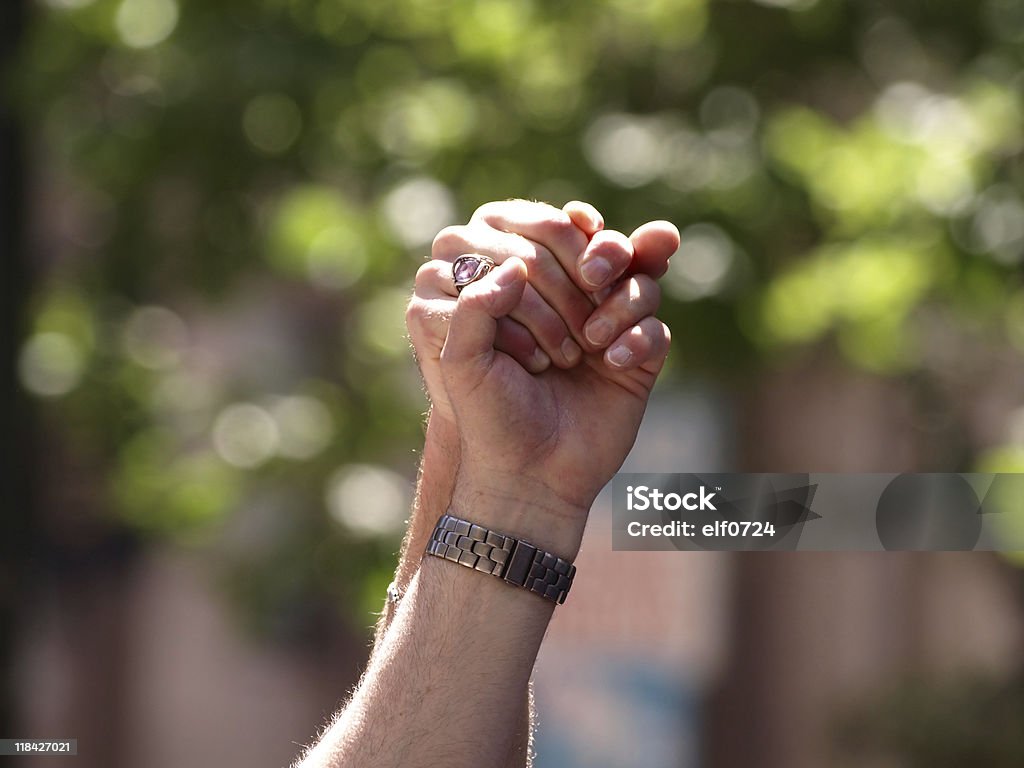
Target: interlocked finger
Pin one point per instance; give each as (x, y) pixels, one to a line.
(628, 303)
(644, 346)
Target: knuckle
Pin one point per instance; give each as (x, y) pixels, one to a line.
(447, 241)
(559, 226)
(648, 291)
(646, 284)
(415, 315)
(633, 299)
(488, 210)
(425, 273)
(532, 257)
(424, 321)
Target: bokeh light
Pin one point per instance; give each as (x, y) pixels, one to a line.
(417, 209)
(369, 501)
(51, 364)
(304, 426)
(145, 23)
(245, 435)
(272, 123)
(155, 337)
(703, 264)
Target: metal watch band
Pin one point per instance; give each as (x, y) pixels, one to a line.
(516, 561)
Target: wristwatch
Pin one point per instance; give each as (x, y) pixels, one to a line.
(513, 560)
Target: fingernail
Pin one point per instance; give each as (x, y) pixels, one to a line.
(598, 332)
(619, 355)
(595, 271)
(540, 360)
(571, 351)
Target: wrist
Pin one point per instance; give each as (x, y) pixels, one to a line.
(441, 428)
(523, 508)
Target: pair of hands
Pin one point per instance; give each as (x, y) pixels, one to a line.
(546, 364)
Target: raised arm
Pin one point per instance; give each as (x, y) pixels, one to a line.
(447, 682)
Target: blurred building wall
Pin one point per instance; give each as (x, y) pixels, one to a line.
(623, 672)
(813, 633)
(146, 666)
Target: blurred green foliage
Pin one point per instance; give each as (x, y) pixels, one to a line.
(234, 197)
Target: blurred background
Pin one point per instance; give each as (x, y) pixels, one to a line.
(211, 212)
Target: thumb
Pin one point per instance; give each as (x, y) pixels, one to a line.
(469, 347)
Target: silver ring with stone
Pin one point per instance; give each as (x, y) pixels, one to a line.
(469, 268)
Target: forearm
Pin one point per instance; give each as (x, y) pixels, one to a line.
(434, 486)
(449, 678)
